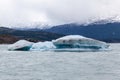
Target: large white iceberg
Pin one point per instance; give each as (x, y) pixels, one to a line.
(21, 45)
(77, 41)
(66, 43)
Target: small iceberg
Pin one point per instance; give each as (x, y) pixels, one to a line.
(43, 46)
(21, 45)
(77, 41)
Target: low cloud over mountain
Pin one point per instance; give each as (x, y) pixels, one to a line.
(56, 12)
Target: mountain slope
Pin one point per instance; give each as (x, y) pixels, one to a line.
(7, 39)
(109, 32)
(29, 35)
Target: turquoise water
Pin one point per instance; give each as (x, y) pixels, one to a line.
(36, 65)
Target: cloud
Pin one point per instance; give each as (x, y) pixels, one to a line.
(55, 12)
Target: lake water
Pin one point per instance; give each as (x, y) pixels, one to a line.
(31, 65)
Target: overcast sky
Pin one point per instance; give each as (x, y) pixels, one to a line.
(55, 12)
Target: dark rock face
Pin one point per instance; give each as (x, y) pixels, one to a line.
(7, 39)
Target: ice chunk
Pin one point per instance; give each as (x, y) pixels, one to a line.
(22, 45)
(77, 41)
(42, 46)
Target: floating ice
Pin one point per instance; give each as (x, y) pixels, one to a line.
(77, 41)
(22, 45)
(67, 43)
(42, 46)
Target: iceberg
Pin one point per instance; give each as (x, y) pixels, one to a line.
(43, 46)
(77, 41)
(21, 45)
(70, 43)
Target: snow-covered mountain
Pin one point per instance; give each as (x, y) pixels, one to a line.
(8, 34)
(32, 26)
(106, 30)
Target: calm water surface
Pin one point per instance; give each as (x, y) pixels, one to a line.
(104, 65)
